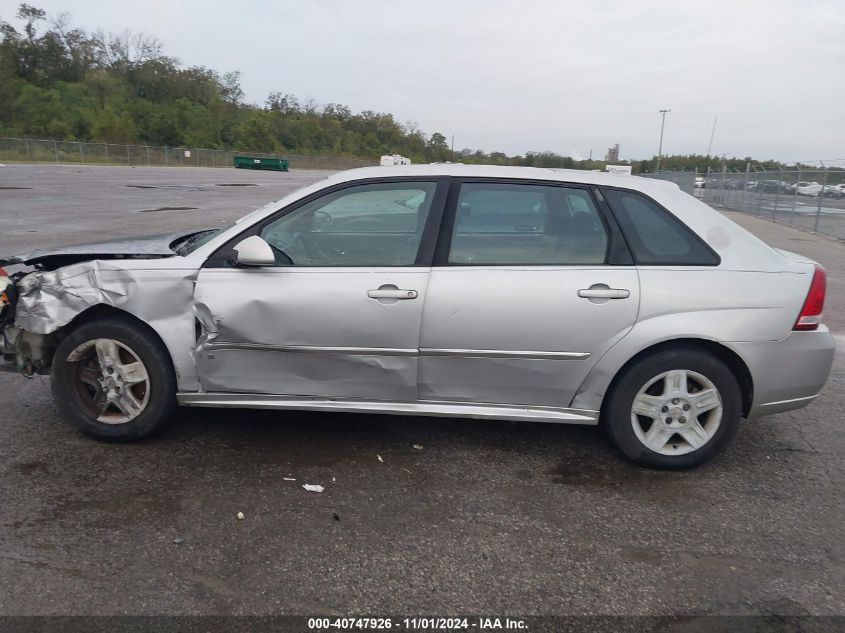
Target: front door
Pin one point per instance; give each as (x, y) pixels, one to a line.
(339, 314)
(522, 302)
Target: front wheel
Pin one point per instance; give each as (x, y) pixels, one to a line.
(674, 409)
(113, 380)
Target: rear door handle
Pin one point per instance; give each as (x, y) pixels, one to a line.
(392, 293)
(600, 291)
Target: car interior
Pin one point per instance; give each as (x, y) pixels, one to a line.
(495, 224)
(370, 226)
(524, 225)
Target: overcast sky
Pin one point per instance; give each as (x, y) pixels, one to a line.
(531, 75)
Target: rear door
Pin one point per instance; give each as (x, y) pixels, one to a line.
(532, 283)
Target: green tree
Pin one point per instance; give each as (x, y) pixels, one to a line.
(114, 126)
(63, 82)
(255, 132)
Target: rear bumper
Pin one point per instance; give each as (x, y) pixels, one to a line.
(790, 373)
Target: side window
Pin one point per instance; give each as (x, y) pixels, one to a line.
(366, 225)
(502, 224)
(655, 236)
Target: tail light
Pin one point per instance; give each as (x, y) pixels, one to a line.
(811, 314)
(4, 298)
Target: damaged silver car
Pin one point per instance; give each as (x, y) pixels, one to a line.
(449, 290)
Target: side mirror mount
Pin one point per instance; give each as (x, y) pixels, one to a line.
(254, 251)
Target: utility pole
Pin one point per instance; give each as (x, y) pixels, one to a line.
(712, 134)
(452, 149)
(660, 147)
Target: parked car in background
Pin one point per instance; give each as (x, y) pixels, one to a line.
(768, 186)
(803, 188)
(834, 191)
(700, 182)
(449, 290)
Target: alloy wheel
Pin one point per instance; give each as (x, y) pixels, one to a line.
(676, 412)
(111, 380)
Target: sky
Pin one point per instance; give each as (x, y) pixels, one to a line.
(531, 75)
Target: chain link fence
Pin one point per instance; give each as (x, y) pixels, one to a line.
(812, 200)
(79, 153)
(684, 179)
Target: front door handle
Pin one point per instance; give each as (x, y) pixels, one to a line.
(391, 293)
(601, 291)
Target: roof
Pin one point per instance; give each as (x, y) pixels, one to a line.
(500, 171)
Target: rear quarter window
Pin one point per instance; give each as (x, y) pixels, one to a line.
(655, 236)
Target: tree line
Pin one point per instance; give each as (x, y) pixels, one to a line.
(59, 81)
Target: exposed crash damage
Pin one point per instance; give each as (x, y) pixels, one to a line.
(135, 248)
(46, 290)
(47, 300)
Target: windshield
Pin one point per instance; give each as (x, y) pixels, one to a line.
(190, 243)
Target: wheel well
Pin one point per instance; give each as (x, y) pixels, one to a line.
(99, 311)
(733, 361)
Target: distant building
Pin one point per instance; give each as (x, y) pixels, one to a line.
(612, 154)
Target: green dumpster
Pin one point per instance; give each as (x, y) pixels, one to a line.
(250, 162)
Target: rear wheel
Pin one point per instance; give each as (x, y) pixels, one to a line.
(113, 379)
(674, 409)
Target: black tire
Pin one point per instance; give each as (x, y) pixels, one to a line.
(617, 410)
(159, 388)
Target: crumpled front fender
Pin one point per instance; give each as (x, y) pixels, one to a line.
(158, 295)
(48, 300)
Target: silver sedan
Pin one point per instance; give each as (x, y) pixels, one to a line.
(448, 290)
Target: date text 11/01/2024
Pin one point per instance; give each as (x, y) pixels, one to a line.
(417, 624)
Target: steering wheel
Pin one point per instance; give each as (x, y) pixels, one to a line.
(299, 244)
(325, 217)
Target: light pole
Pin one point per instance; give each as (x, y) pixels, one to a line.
(712, 134)
(660, 147)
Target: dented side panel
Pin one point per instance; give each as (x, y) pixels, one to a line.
(309, 331)
(158, 295)
(50, 299)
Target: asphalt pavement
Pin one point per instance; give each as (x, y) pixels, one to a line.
(479, 517)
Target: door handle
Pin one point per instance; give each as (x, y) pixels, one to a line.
(392, 293)
(600, 291)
